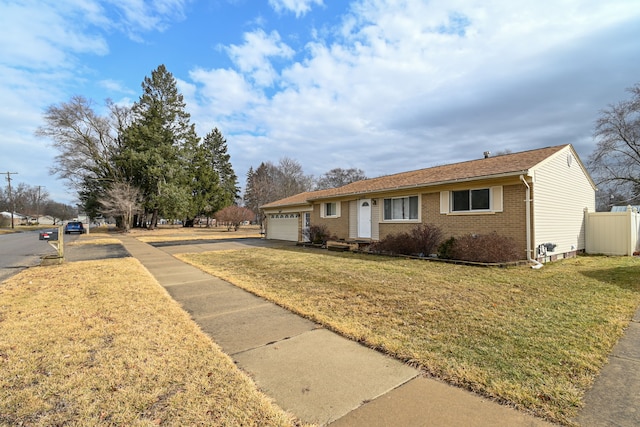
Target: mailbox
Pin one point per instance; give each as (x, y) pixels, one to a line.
(49, 235)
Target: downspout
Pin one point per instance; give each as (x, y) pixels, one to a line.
(535, 263)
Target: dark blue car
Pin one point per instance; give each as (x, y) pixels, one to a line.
(73, 227)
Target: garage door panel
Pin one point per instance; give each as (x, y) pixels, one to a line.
(283, 227)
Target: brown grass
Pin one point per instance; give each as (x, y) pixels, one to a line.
(532, 338)
(174, 233)
(101, 343)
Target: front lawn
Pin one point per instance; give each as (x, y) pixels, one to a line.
(101, 343)
(171, 234)
(531, 338)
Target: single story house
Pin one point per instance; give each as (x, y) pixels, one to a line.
(18, 219)
(538, 198)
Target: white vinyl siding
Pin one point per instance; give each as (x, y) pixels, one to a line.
(560, 192)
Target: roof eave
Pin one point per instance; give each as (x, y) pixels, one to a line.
(431, 184)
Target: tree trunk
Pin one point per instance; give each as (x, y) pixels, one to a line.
(154, 219)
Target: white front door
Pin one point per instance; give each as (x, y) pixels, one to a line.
(364, 218)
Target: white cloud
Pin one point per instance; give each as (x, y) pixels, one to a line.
(225, 90)
(252, 58)
(299, 7)
(49, 41)
(397, 84)
(116, 86)
(136, 17)
(43, 46)
(385, 85)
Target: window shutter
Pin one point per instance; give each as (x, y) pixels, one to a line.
(338, 205)
(353, 219)
(444, 202)
(496, 198)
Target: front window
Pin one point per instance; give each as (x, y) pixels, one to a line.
(330, 209)
(471, 200)
(401, 208)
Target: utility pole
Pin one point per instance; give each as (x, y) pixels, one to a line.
(11, 205)
(38, 205)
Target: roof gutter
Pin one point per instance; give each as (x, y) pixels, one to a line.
(528, 201)
(434, 184)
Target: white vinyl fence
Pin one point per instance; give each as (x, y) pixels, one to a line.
(612, 233)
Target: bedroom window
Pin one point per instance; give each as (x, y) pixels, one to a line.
(330, 210)
(401, 208)
(471, 200)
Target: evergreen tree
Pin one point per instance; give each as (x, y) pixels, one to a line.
(205, 184)
(221, 163)
(158, 147)
(261, 187)
(249, 191)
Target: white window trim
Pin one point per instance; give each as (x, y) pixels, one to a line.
(496, 202)
(402, 221)
(323, 210)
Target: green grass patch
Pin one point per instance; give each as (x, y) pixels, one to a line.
(534, 339)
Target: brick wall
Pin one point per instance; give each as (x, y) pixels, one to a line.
(510, 222)
(338, 227)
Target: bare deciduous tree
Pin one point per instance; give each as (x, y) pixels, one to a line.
(122, 200)
(86, 141)
(273, 182)
(338, 177)
(615, 163)
(234, 216)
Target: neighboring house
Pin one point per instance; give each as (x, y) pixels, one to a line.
(18, 219)
(536, 197)
(41, 220)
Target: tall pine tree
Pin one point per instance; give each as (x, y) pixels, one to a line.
(158, 146)
(217, 145)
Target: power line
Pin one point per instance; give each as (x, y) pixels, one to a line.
(11, 205)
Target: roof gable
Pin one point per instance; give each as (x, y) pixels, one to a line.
(296, 199)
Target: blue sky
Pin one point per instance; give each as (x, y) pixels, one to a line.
(381, 85)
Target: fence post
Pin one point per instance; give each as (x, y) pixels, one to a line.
(586, 231)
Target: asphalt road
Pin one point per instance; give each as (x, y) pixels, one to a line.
(22, 250)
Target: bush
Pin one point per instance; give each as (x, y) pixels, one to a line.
(318, 234)
(489, 248)
(445, 250)
(422, 240)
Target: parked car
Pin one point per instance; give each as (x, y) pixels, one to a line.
(74, 227)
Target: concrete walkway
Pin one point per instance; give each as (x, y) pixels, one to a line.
(315, 374)
(614, 399)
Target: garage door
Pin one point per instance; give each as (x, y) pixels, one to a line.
(283, 227)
